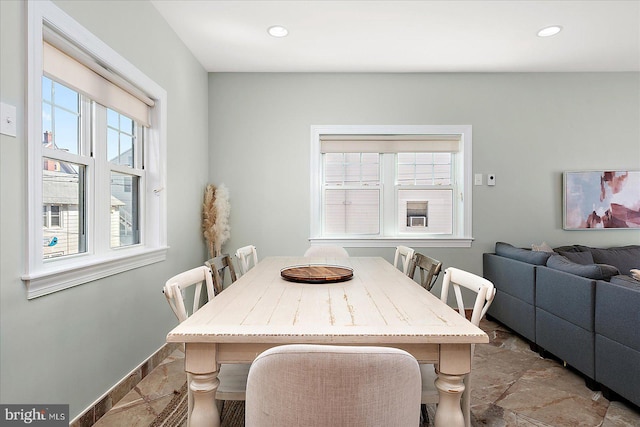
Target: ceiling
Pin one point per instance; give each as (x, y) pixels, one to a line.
(408, 36)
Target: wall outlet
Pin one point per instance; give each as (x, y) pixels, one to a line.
(491, 179)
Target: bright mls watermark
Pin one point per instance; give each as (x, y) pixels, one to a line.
(34, 415)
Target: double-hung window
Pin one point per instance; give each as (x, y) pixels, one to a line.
(386, 185)
(96, 136)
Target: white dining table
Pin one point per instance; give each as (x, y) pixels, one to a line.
(378, 306)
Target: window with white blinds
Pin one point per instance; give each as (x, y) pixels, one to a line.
(424, 168)
(97, 155)
(352, 193)
(377, 184)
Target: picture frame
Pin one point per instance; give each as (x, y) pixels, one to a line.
(598, 200)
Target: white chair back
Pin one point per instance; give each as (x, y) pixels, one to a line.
(323, 385)
(484, 289)
(174, 290)
(403, 258)
(247, 258)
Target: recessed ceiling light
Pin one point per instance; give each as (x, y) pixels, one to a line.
(278, 31)
(549, 31)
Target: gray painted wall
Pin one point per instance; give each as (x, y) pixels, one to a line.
(251, 132)
(527, 129)
(72, 346)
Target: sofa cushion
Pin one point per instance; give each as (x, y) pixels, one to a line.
(578, 257)
(571, 248)
(566, 296)
(618, 368)
(567, 341)
(626, 281)
(520, 254)
(590, 271)
(617, 312)
(624, 258)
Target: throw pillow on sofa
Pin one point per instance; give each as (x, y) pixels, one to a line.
(542, 247)
(520, 254)
(590, 271)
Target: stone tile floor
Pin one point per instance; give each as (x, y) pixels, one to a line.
(511, 386)
(149, 397)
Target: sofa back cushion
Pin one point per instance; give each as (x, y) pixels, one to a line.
(521, 254)
(624, 258)
(578, 257)
(590, 271)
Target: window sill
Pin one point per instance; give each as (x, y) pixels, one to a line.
(44, 282)
(385, 242)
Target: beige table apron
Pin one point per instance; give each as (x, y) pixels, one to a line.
(379, 306)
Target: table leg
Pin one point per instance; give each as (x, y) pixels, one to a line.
(205, 411)
(449, 411)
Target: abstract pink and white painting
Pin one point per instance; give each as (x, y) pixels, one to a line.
(601, 199)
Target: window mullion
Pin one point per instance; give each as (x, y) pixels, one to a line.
(388, 193)
(86, 197)
(139, 144)
(101, 180)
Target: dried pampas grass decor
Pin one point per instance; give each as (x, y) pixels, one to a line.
(215, 218)
(221, 228)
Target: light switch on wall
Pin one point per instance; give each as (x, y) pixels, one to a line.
(477, 179)
(7, 119)
(491, 179)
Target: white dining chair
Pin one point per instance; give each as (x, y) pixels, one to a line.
(325, 385)
(247, 258)
(327, 251)
(403, 258)
(174, 290)
(485, 293)
(232, 377)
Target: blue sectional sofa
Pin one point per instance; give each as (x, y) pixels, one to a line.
(617, 341)
(577, 303)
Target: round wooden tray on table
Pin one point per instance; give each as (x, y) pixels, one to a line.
(317, 273)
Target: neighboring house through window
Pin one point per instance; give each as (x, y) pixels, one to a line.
(97, 137)
(390, 185)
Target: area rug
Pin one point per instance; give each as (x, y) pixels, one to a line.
(175, 413)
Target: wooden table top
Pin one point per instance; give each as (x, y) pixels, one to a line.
(317, 273)
(379, 305)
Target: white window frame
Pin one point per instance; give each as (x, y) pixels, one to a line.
(390, 237)
(43, 277)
